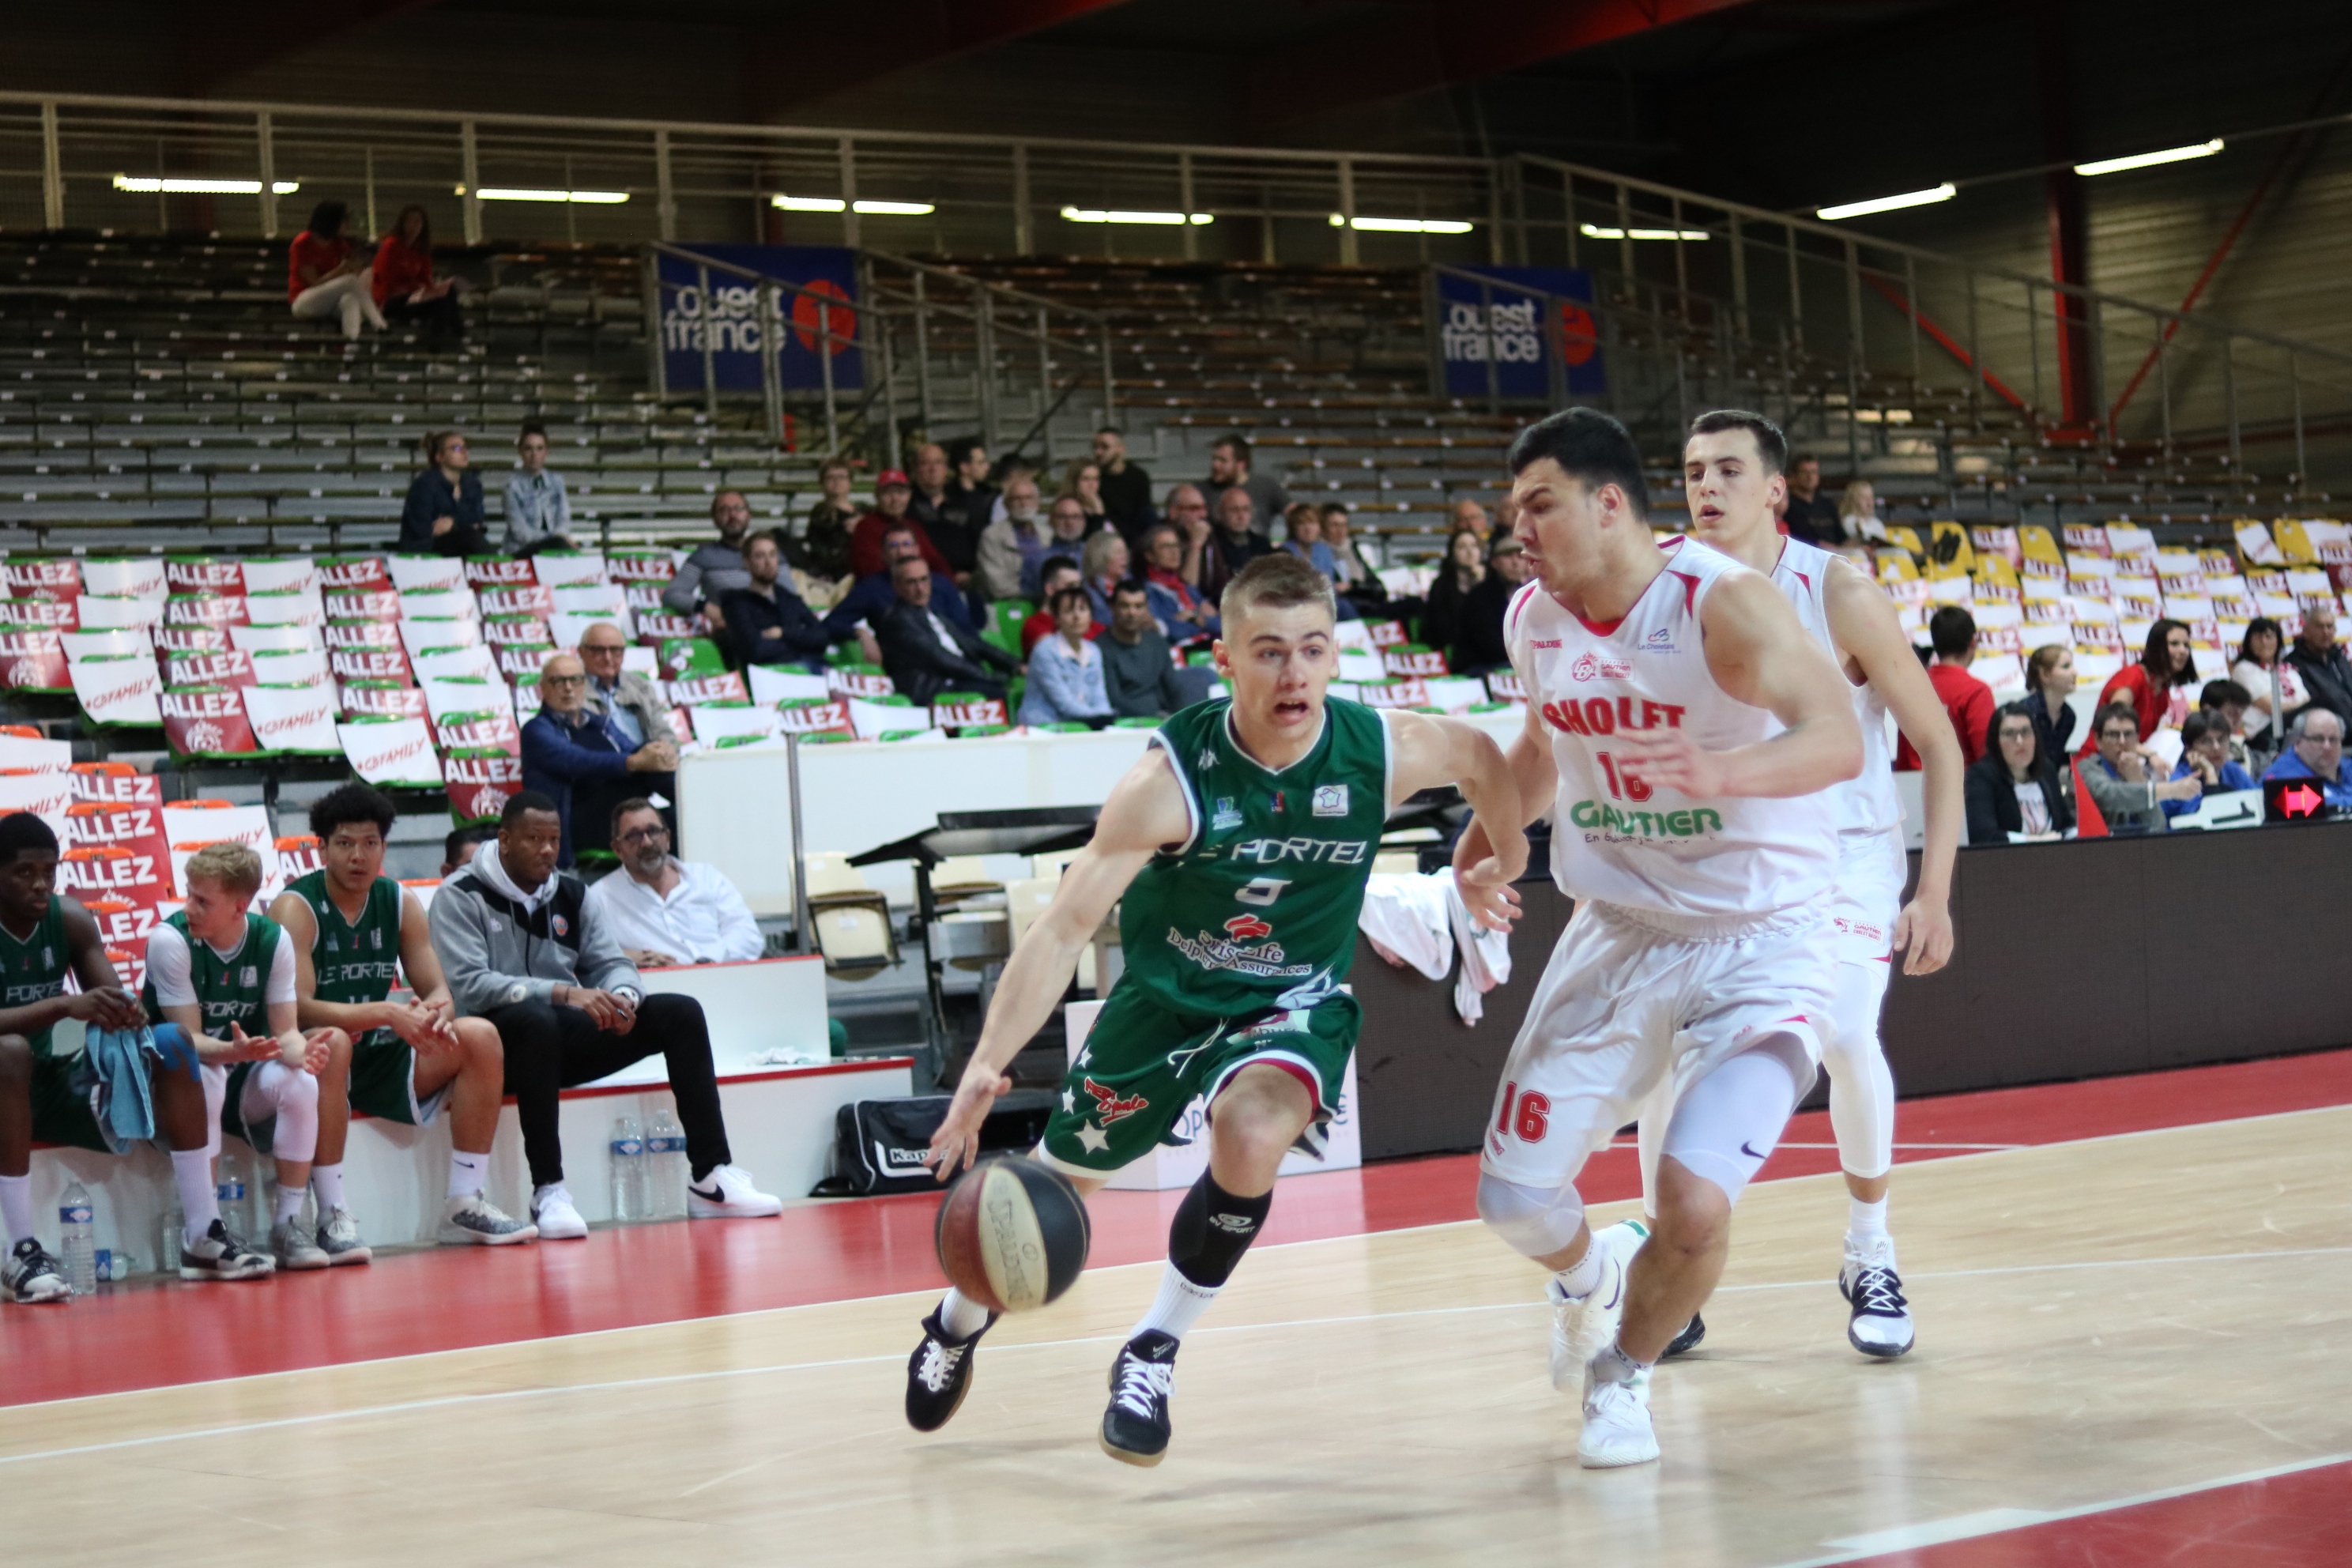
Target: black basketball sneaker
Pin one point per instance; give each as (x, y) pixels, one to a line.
(1135, 1428)
(1688, 1339)
(1880, 1322)
(939, 1375)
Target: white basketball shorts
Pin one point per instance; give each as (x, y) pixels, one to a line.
(1632, 1000)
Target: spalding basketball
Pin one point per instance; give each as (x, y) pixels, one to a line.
(1012, 1235)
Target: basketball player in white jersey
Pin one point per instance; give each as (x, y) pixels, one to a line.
(1684, 726)
(1732, 477)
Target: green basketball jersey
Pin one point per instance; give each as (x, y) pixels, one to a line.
(355, 961)
(229, 990)
(1257, 910)
(34, 969)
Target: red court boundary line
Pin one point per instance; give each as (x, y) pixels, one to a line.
(167, 1333)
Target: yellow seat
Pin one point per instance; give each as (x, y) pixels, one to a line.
(852, 920)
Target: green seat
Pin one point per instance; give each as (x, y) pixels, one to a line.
(682, 658)
(969, 731)
(1066, 727)
(1004, 628)
(1137, 724)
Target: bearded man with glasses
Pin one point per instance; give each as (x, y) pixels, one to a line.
(664, 912)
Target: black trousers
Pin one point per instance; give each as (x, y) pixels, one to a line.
(442, 317)
(551, 1048)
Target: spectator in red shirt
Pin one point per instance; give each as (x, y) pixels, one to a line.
(1058, 573)
(891, 494)
(1953, 632)
(403, 280)
(321, 278)
(2155, 686)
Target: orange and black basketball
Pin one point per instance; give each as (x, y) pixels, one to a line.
(1012, 1235)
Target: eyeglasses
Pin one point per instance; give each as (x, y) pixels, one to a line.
(600, 649)
(645, 835)
(562, 681)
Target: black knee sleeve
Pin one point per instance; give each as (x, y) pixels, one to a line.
(1212, 1229)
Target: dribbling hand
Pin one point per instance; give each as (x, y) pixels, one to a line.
(957, 1142)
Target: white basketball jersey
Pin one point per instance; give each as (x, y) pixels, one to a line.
(1618, 838)
(1867, 802)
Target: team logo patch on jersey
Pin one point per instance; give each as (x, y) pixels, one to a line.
(1278, 807)
(1111, 1107)
(1545, 642)
(1332, 800)
(1660, 641)
(249, 976)
(1227, 814)
(1594, 666)
(1260, 962)
(1247, 928)
(1207, 759)
(561, 927)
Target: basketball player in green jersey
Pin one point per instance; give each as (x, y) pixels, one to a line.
(44, 938)
(1237, 851)
(226, 978)
(354, 931)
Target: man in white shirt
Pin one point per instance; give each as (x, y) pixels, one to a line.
(665, 911)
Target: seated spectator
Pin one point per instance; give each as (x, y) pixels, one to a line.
(1353, 574)
(2122, 775)
(1229, 468)
(443, 515)
(1125, 487)
(1469, 517)
(2015, 788)
(766, 621)
(1478, 645)
(1066, 671)
(626, 700)
(1858, 514)
(1233, 546)
(1140, 675)
(1083, 483)
(2228, 701)
(539, 514)
(1303, 529)
(666, 912)
(1953, 633)
(460, 846)
(2315, 750)
(872, 598)
(523, 948)
(2049, 680)
(1464, 568)
(2316, 657)
(1174, 602)
(2155, 686)
(402, 279)
(574, 757)
(713, 569)
(323, 279)
(1016, 546)
(1188, 513)
(1813, 518)
(925, 654)
(819, 553)
(1104, 565)
(946, 523)
(967, 508)
(892, 497)
(1058, 573)
(2205, 756)
(2258, 664)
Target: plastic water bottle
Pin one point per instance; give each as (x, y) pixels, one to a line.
(665, 1166)
(78, 1228)
(171, 1239)
(229, 1192)
(629, 1171)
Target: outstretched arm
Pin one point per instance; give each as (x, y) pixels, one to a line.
(1145, 812)
(1759, 653)
(1864, 623)
(1429, 751)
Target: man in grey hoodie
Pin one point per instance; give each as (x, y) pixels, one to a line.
(522, 947)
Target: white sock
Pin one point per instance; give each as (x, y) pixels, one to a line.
(327, 1181)
(1613, 1366)
(289, 1201)
(539, 1194)
(191, 1172)
(1177, 1306)
(466, 1173)
(961, 1316)
(16, 1206)
(1582, 1277)
(1865, 1222)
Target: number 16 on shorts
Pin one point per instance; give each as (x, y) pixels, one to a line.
(1525, 1116)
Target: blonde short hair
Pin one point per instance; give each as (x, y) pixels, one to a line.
(227, 863)
(1280, 581)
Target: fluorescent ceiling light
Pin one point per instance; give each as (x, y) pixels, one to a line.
(151, 185)
(2147, 160)
(1098, 214)
(1401, 224)
(1593, 231)
(517, 194)
(834, 205)
(1943, 193)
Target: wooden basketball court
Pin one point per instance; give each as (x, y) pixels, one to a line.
(2100, 1321)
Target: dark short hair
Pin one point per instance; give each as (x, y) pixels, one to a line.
(1052, 564)
(1950, 630)
(2222, 693)
(2112, 711)
(1590, 447)
(2199, 724)
(526, 800)
(1063, 597)
(1132, 586)
(20, 831)
(1797, 458)
(530, 427)
(1238, 444)
(636, 802)
(914, 560)
(439, 440)
(1112, 430)
(959, 450)
(327, 219)
(1772, 443)
(459, 837)
(349, 804)
(2255, 628)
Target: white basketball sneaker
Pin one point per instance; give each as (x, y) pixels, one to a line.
(1580, 1325)
(1881, 1324)
(1616, 1422)
(727, 1192)
(552, 1213)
